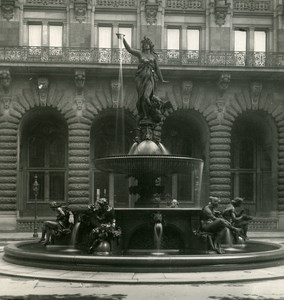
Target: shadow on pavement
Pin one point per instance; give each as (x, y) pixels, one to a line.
(239, 298)
(71, 297)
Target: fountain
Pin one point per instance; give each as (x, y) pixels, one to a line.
(153, 238)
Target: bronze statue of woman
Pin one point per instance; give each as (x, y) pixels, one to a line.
(147, 75)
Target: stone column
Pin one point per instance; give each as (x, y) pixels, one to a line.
(220, 161)
(220, 144)
(8, 154)
(281, 166)
(151, 20)
(79, 164)
(79, 148)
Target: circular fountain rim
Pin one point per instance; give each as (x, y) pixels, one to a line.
(155, 164)
(129, 263)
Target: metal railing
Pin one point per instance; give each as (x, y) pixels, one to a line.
(177, 58)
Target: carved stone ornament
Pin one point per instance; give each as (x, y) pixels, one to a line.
(115, 89)
(255, 88)
(221, 11)
(187, 87)
(224, 82)
(151, 10)
(279, 9)
(42, 85)
(80, 10)
(80, 77)
(79, 102)
(220, 109)
(6, 100)
(7, 9)
(5, 80)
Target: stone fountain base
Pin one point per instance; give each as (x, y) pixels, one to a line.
(181, 250)
(30, 253)
(137, 225)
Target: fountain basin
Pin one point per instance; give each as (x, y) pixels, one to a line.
(258, 255)
(157, 165)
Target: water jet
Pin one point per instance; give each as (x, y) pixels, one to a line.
(168, 243)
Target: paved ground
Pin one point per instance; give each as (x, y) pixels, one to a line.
(263, 284)
(41, 289)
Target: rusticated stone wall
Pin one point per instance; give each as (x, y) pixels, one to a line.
(8, 162)
(220, 160)
(99, 96)
(220, 115)
(279, 117)
(79, 164)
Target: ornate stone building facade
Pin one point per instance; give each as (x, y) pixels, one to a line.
(64, 101)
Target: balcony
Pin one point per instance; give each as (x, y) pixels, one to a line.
(172, 60)
(177, 58)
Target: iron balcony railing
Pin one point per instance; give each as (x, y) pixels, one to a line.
(177, 58)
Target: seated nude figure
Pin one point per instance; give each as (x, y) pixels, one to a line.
(213, 222)
(235, 214)
(63, 224)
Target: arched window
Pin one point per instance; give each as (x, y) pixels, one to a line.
(111, 134)
(244, 167)
(183, 135)
(252, 156)
(43, 153)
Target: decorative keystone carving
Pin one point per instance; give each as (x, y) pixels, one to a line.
(42, 85)
(224, 82)
(187, 87)
(151, 10)
(7, 9)
(279, 9)
(220, 109)
(255, 88)
(221, 11)
(80, 10)
(115, 90)
(79, 100)
(5, 80)
(79, 81)
(7, 101)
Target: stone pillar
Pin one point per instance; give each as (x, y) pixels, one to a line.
(8, 154)
(79, 148)
(79, 164)
(8, 164)
(281, 166)
(220, 25)
(220, 144)
(151, 20)
(220, 162)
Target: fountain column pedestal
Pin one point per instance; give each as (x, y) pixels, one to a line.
(137, 225)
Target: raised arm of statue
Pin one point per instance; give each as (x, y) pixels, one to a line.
(132, 51)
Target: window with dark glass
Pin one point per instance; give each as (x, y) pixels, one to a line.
(111, 136)
(244, 169)
(47, 159)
